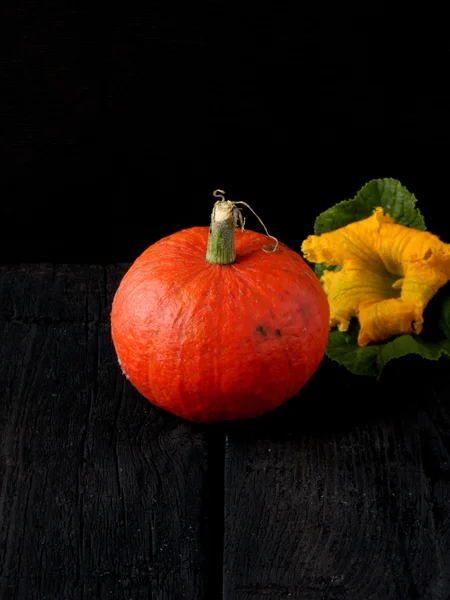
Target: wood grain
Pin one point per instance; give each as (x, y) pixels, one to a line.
(102, 495)
(345, 498)
(342, 494)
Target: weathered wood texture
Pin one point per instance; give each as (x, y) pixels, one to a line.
(101, 495)
(344, 495)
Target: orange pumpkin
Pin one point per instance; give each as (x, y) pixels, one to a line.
(210, 326)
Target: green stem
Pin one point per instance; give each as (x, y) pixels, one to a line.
(220, 249)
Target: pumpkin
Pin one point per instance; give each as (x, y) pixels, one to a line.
(211, 326)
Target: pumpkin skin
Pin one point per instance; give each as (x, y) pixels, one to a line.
(211, 342)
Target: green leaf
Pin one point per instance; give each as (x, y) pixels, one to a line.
(395, 199)
(434, 341)
(320, 268)
(343, 348)
(370, 360)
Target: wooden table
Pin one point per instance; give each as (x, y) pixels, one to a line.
(342, 494)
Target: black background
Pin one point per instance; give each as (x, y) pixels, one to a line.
(117, 125)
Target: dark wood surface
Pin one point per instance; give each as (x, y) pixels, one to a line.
(335, 496)
(101, 496)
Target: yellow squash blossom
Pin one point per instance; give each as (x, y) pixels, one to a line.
(388, 275)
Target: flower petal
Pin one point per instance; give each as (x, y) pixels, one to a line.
(388, 275)
(357, 242)
(349, 288)
(381, 320)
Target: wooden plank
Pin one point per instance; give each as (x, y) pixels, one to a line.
(343, 499)
(47, 293)
(101, 494)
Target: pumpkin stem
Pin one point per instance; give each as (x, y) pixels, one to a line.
(220, 249)
(226, 216)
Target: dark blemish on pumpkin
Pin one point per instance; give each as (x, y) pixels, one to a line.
(305, 312)
(277, 332)
(262, 329)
